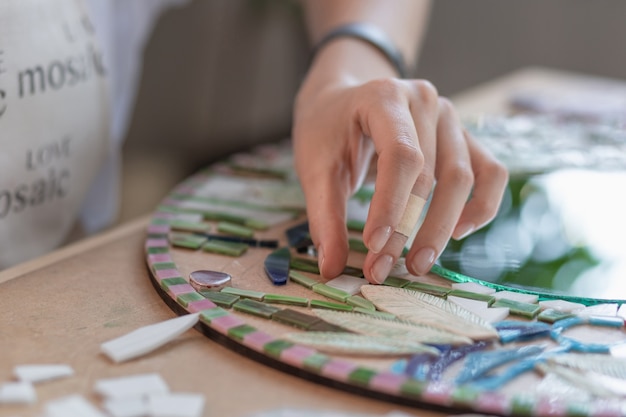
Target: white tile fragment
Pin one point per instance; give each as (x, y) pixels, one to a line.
(561, 305)
(126, 407)
(473, 287)
(600, 310)
(17, 393)
(72, 406)
(148, 338)
(480, 308)
(351, 285)
(176, 405)
(40, 373)
(133, 386)
(516, 296)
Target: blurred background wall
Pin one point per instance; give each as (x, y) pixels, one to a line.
(225, 71)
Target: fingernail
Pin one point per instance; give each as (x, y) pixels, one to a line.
(379, 238)
(320, 257)
(381, 268)
(423, 260)
(463, 230)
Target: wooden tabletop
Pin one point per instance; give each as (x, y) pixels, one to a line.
(59, 308)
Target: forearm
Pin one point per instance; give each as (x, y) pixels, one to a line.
(403, 21)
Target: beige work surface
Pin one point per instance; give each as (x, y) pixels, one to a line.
(61, 307)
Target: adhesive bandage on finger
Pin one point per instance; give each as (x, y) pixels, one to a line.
(411, 215)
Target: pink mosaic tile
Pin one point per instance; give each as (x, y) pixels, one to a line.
(438, 393)
(176, 290)
(167, 273)
(156, 243)
(256, 340)
(338, 369)
(197, 306)
(387, 382)
(296, 355)
(493, 402)
(159, 257)
(159, 229)
(224, 323)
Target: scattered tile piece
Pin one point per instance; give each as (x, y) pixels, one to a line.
(473, 287)
(126, 407)
(187, 240)
(517, 308)
(347, 283)
(148, 338)
(277, 266)
(189, 226)
(225, 248)
(551, 316)
(176, 405)
(132, 386)
(39, 373)
(561, 305)
(72, 406)
(517, 296)
(17, 393)
(254, 295)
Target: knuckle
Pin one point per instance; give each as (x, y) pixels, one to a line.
(460, 174)
(407, 155)
(426, 91)
(389, 88)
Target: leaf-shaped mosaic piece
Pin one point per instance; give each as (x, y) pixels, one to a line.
(429, 310)
(358, 344)
(598, 385)
(602, 364)
(395, 329)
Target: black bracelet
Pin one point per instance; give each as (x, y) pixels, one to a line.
(372, 35)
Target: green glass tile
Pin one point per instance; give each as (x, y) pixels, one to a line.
(551, 316)
(330, 292)
(168, 282)
(315, 362)
(364, 194)
(360, 302)
(353, 271)
(189, 226)
(157, 250)
(431, 289)
(185, 299)
(256, 308)
(305, 265)
(302, 279)
(295, 318)
(255, 295)
(396, 282)
(286, 299)
(375, 313)
(489, 299)
(522, 406)
(275, 347)
(355, 225)
(225, 248)
(163, 265)
(330, 305)
(160, 222)
(464, 396)
(518, 308)
(413, 388)
(187, 244)
(323, 326)
(241, 331)
(210, 314)
(357, 245)
(221, 298)
(361, 376)
(234, 229)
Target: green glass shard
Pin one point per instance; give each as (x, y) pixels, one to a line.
(255, 295)
(330, 305)
(305, 265)
(275, 347)
(302, 279)
(163, 265)
(431, 289)
(221, 298)
(168, 282)
(286, 299)
(234, 229)
(361, 376)
(210, 314)
(185, 299)
(518, 308)
(330, 292)
(360, 302)
(396, 282)
(225, 248)
(551, 316)
(255, 308)
(239, 332)
(295, 318)
(188, 226)
(489, 299)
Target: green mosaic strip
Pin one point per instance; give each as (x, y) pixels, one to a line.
(413, 388)
(302, 279)
(330, 305)
(551, 316)
(286, 299)
(518, 308)
(276, 347)
(168, 282)
(255, 295)
(465, 396)
(188, 226)
(330, 292)
(360, 302)
(522, 406)
(225, 248)
(305, 265)
(323, 326)
(187, 240)
(357, 245)
(185, 299)
(234, 229)
(396, 282)
(355, 225)
(239, 332)
(361, 376)
(211, 314)
(489, 299)
(431, 289)
(315, 362)
(221, 298)
(163, 265)
(157, 250)
(255, 308)
(295, 318)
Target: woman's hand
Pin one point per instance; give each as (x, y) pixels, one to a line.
(340, 124)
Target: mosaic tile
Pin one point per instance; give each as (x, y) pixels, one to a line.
(519, 309)
(220, 298)
(330, 305)
(243, 293)
(431, 289)
(286, 299)
(234, 229)
(302, 279)
(295, 318)
(225, 248)
(330, 292)
(255, 308)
